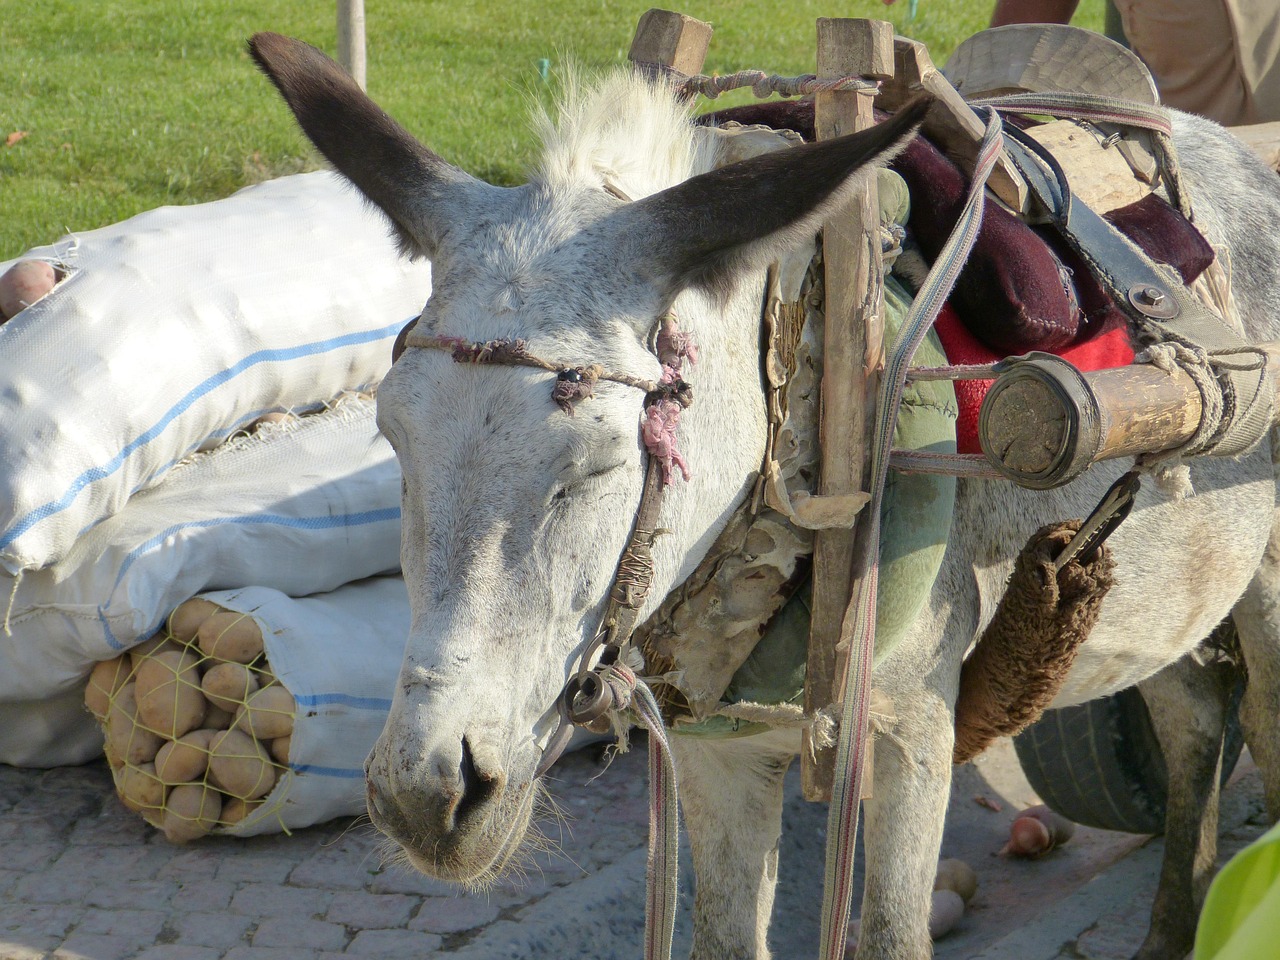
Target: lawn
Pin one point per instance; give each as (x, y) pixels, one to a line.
(116, 106)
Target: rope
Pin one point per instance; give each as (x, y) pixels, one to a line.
(664, 828)
(764, 85)
(859, 627)
(1195, 363)
(973, 465)
(963, 371)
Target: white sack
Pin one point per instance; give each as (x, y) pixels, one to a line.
(180, 325)
(339, 655)
(55, 732)
(302, 507)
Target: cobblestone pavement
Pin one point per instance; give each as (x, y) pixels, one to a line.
(81, 877)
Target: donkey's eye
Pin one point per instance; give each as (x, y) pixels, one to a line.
(584, 484)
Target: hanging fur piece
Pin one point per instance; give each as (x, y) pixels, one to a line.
(1024, 655)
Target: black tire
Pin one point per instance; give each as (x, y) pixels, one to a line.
(1100, 764)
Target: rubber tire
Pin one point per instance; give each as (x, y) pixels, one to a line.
(1099, 763)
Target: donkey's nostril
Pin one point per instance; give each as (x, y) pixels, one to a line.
(373, 798)
(478, 786)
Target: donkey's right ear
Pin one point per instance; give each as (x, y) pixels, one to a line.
(421, 193)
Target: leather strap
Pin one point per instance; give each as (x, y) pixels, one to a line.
(1157, 302)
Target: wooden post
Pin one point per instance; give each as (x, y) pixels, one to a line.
(670, 40)
(351, 44)
(951, 123)
(853, 357)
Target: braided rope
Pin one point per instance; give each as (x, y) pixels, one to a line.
(515, 353)
(962, 371)
(764, 85)
(972, 465)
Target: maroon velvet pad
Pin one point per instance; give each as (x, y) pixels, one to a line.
(1023, 288)
(1011, 293)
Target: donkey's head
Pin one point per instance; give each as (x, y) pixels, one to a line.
(515, 512)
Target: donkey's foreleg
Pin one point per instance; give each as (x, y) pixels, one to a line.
(1257, 617)
(731, 797)
(903, 825)
(1188, 703)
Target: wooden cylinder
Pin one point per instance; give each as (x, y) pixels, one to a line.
(1043, 422)
(351, 43)
(853, 356)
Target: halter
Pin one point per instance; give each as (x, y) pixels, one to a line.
(594, 691)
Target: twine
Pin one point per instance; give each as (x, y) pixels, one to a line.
(764, 85)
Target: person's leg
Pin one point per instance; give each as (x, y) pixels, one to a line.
(1190, 48)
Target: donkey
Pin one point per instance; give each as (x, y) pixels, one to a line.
(515, 513)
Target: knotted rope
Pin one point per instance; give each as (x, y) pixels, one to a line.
(764, 85)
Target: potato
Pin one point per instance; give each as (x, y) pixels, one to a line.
(230, 636)
(23, 284)
(945, 911)
(186, 619)
(957, 876)
(279, 748)
(106, 678)
(191, 811)
(140, 789)
(130, 742)
(114, 760)
(149, 648)
(215, 718)
(1028, 837)
(240, 765)
(1036, 831)
(169, 697)
(266, 676)
(269, 418)
(184, 759)
(1060, 828)
(234, 810)
(267, 714)
(228, 685)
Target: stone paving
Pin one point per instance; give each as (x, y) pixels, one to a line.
(81, 878)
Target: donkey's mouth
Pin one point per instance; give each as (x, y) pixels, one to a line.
(476, 853)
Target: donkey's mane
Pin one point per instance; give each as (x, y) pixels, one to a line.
(619, 129)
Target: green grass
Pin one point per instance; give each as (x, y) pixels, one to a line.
(132, 104)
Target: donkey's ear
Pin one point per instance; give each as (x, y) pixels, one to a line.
(420, 192)
(710, 228)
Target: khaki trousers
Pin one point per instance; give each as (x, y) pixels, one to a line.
(1216, 58)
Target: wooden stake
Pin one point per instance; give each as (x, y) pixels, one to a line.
(351, 43)
(671, 40)
(853, 356)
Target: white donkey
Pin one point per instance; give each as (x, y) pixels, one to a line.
(515, 513)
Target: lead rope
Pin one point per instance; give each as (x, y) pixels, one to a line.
(858, 632)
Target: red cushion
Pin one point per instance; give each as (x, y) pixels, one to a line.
(1108, 348)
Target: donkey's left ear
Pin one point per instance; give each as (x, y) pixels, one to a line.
(420, 193)
(712, 227)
